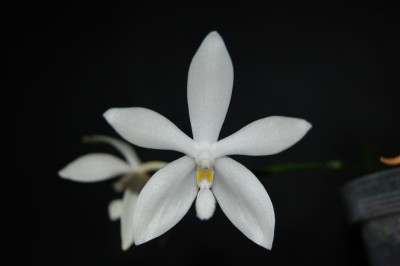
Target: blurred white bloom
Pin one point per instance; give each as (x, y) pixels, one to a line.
(205, 171)
(95, 167)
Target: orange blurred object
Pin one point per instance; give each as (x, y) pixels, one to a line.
(391, 161)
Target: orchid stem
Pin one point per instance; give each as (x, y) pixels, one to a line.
(289, 167)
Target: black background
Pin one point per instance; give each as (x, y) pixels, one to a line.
(336, 67)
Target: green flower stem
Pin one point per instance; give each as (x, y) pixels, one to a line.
(289, 167)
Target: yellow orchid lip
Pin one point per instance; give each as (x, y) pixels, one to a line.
(205, 170)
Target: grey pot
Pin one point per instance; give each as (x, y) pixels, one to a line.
(373, 203)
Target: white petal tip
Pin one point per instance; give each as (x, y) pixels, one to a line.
(263, 241)
(297, 124)
(63, 173)
(267, 245)
(214, 34)
(142, 238)
(266, 242)
(213, 39)
(205, 204)
(126, 245)
(307, 125)
(141, 241)
(109, 114)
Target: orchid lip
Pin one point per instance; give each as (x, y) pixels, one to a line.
(205, 170)
(205, 164)
(205, 201)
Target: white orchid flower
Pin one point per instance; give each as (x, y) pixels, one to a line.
(205, 171)
(95, 167)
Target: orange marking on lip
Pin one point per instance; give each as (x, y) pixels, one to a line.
(205, 172)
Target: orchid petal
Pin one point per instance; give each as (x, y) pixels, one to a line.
(265, 136)
(210, 82)
(165, 199)
(244, 201)
(148, 129)
(94, 167)
(115, 209)
(123, 147)
(128, 207)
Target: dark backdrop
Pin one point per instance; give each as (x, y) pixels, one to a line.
(336, 67)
